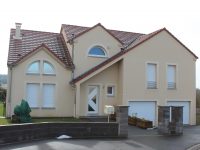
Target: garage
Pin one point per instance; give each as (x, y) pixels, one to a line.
(186, 109)
(143, 109)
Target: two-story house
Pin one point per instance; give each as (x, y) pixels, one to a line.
(81, 69)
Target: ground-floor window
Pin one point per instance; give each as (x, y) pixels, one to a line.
(110, 90)
(32, 94)
(40, 95)
(48, 95)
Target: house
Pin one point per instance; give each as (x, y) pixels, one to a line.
(81, 69)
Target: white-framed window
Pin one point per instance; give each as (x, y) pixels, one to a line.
(110, 90)
(97, 51)
(48, 68)
(32, 94)
(171, 76)
(48, 92)
(41, 95)
(34, 68)
(151, 75)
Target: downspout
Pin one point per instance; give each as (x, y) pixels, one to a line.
(72, 43)
(10, 88)
(72, 77)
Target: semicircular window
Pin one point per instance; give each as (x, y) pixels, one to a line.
(48, 68)
(97, 51)
(34, 68)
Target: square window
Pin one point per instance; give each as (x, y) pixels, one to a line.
(110, 90)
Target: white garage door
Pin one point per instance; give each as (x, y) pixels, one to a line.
(186, 109)
(143, 109)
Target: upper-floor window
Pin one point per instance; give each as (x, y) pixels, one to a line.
(34, 68)
(48, 68)
(151, 76)
(171, 76)
(97, 51)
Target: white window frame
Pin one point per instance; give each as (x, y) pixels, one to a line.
(44, 73)
(37, 100)
(100, 56)
(113, 90)
(176, 77)
(156, 73)
(33, 73)
(54, 99)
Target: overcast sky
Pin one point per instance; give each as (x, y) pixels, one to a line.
(181, 17)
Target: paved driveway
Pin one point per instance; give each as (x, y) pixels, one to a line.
(139, 139)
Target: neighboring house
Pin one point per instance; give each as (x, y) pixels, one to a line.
(80, 70)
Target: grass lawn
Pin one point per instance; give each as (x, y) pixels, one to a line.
(1, 109)
(5, 121)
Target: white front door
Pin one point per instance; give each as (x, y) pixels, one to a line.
(93, 98)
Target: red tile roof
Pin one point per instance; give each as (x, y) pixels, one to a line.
(137, 42)
(31, 40)
(122, 36)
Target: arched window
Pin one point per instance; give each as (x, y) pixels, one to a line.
(48, 68)
(34, 68)
(97, 51)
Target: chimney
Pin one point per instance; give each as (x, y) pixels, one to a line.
(18, 31)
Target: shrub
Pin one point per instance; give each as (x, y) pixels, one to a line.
(22, 112)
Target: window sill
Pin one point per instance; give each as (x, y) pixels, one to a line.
(97, 56)
(45, 74)
(152, 88)
(110, 95)
(48, 107)
(35, 107)
(37, 74)
(171, 89)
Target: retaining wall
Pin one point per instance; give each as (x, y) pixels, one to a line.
(29, 132)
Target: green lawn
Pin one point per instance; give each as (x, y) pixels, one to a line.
(1, 108)
(5, 121)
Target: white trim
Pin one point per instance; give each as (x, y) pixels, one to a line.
(96, 112)
(42, 96)
(113, 90)
(97, 56)
(176, 76)
(29, 64)
(157, 74)
(48, 62)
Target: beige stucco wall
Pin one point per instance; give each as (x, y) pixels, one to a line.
(161, 49)
(102, 80)
(64, 99)
(83, 43)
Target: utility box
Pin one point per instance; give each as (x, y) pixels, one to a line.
(108, 109)
(170, 120)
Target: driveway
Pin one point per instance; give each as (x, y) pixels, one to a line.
(139, 139)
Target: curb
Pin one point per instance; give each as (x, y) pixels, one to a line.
(194, 147)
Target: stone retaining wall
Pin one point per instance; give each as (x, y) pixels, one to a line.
(29, 132)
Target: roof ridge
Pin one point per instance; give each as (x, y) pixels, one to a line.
(104, 27)
(36, 31)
